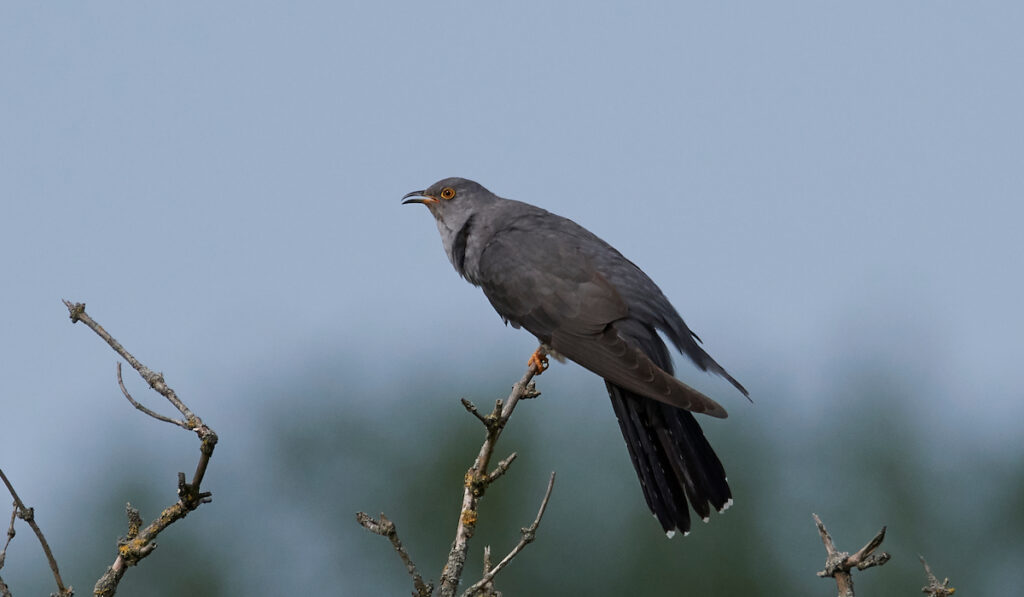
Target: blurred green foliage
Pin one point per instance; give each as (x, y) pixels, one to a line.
(324, 443)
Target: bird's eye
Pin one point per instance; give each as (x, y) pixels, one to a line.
(447, 193)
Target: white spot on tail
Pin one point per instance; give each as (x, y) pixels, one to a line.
(725, 506)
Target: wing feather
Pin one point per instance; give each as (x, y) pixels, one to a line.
(551, 287)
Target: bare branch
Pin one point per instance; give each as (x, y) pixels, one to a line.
(529, 534)
(155, 380)
(839, 563)
(155, 415)
(934, 588)
(4, 591)
(501, 468)
(487, 559)
(139, 541)
(10, 533)
(386, 528)
(473, 411)
(476, 482)
(28, 515)
(477, 478)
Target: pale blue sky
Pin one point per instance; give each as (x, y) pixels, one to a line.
(810, 183)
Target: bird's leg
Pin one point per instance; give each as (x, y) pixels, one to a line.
(539, 360)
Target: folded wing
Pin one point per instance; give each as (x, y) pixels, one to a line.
(546, 282)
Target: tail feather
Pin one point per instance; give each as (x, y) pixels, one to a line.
(673, 460)
(707, 476)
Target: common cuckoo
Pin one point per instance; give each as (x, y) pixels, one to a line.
(585, 301)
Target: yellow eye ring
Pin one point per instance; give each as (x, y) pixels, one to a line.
(447, 193)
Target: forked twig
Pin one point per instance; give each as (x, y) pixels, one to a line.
(476, 482)
(155, 415)
(139, 541)
(934, 588)
(386, 528)
(838, 564)
(478, 479)
(529, 534)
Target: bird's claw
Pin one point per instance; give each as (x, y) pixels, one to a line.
(539, 361)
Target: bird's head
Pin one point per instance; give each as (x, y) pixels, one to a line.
(450, 196)
(460, 207)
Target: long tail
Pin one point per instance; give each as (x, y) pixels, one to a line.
(672, 458)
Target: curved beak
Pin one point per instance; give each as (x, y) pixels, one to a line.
(418, 197)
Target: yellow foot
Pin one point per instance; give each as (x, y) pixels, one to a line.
(539, 361)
